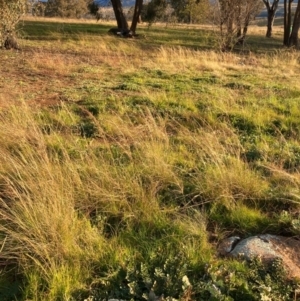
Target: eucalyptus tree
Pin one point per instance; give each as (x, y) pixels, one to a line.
(287, 21)
(121, 18)
(271, 10)
(291, 24)
(122, 23)
(136, 15)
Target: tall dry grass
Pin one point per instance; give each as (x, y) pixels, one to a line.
(59, 194)
(44, 234)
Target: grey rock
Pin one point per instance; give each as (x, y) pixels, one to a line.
(268, 248)
(260, 245)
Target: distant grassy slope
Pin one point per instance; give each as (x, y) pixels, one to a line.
(125, 161)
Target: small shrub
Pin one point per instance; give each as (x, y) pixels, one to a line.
(10, 13)
(88, 129)
(160, 275)
(173, 278)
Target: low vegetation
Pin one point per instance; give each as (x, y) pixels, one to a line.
(125, 161)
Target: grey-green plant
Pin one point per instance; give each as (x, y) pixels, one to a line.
(10, 13)
(174, 279)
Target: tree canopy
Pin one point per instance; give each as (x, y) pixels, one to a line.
(66, 8)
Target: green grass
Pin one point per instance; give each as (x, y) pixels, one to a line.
(174, 36)
(125, 161)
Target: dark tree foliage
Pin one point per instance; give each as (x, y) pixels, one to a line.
(93, 7)
(190, 11)
(66, 8)
(154, 11)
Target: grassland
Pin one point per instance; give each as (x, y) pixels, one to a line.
(125, 161)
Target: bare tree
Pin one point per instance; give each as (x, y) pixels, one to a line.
(247, 11)
(271, 10)
(234, 17)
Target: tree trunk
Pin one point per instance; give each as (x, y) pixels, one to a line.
(136, 15)
(245, 30)
(287, 21)
(119, 14)
(271, 9)
(294, 34)
(239, 26)
(271, 17)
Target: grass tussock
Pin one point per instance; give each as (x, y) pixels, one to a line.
(60, 214)
(41, 226)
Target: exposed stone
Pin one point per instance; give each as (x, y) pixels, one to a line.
(268, 248)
